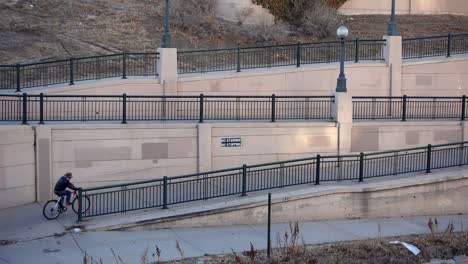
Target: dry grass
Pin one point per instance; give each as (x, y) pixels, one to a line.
(440, 244)
(291, 249)
(32, 30)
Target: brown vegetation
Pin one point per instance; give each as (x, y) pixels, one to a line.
(35, 30)
(439, 244)
(318, 17)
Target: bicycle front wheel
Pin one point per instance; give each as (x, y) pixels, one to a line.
(51, 209)
(84, 203)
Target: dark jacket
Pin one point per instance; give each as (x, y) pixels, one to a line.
(64, 183)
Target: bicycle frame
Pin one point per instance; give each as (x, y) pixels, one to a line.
(59, 201)
(62, 198)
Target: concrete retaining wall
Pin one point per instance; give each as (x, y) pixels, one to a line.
(435, 77)
(114, 153)
(427, 77)
(419, 77)
(17, 166)
(149, 86)
(262, 143)
(437, 194)
(363, 79)
(381, 136)
(404, 7)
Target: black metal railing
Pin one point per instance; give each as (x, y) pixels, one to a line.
(70, 70)
(242, 180)
(241, 58)
(43, 108)
(446, 45)
(409, 107)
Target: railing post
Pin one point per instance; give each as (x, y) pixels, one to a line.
(201, 108)
(420, 45)
(238, 58)
(463, 108)
(317, 171)
(163, 108)
(164, 192)
(124, 108)
(356, 59)
(25, 109)
(124, 65)
(18, 78)
(244, 180)
(361, 167)
(72, 77)
(41, 109)
(80, 205)
(428, 164)
(405, 99)
(269, 227)
(298, 55)
(123, 199)
(273, 108)
(449, 45)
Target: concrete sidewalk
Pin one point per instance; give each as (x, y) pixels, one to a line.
(36, 240)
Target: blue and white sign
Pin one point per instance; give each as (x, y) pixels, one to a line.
(231, 142)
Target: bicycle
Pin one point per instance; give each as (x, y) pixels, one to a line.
(53, 208)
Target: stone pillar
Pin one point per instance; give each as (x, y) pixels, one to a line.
(167, 70)
(393, 54)
(464, 126)
(204, 147)
(343, 115)
(44, 177)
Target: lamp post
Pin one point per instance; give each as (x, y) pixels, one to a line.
(342, 32)
(166, 37)
(391, 31)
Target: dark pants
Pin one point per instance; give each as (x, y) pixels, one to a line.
(66, 193)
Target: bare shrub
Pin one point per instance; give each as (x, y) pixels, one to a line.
(316, 17)
(189, 13)
(266, 33)
(252, 254)
(313, 17)
(237, 258)
(288, 243)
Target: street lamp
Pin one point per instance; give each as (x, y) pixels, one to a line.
(166, 37)
(342, 33)
(391, 31)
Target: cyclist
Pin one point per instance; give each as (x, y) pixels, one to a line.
(61, 186)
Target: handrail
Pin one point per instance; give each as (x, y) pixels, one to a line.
(250, 178)
(166, 108)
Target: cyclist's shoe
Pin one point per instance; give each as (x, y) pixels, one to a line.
(69, 204)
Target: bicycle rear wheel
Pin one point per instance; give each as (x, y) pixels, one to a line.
(84, 203)
(51, 210)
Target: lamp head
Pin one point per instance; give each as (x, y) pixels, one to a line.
(342, 32)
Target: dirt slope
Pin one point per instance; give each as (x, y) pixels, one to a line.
(34, 30)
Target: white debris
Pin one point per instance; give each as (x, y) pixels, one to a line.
(410, 247)
(76, 230)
